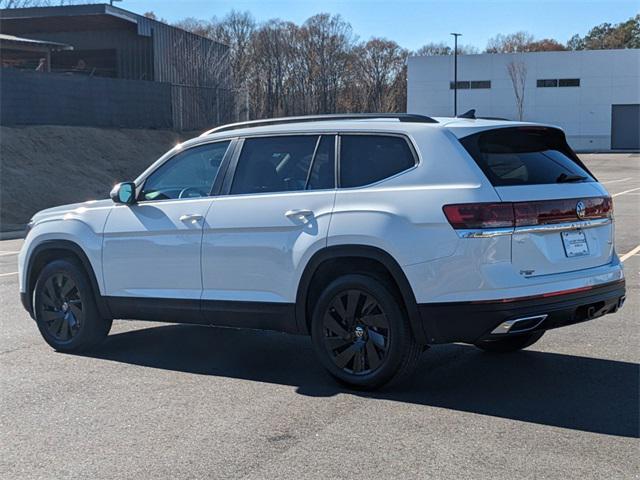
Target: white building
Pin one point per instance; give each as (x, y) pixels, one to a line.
(594, 95)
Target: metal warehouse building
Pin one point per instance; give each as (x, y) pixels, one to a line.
(594, 95)
(110, 42)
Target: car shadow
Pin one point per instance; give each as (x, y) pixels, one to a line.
(580, 393)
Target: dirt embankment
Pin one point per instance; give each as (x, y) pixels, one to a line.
(44, 166)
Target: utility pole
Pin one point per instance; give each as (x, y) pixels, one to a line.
(455, 73)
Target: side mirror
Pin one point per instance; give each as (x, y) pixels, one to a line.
(124, 192)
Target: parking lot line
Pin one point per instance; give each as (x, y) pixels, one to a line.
(630, 254)
(7, 274)
(4, 254)
(626, 191)
(616, 181)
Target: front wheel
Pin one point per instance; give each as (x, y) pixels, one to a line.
(510, 344)
(65, 308)
(361, 333)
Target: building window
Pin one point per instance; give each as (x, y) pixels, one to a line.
(569, 82)
(461, 85)
(481, 84)
(547, 83)
(554, 82)
(465, 84)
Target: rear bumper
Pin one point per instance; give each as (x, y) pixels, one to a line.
(470, 322)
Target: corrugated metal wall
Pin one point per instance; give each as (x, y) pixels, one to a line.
(197, 68)
(199, 71)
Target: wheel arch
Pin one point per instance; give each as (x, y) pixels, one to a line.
(365, 259)
(50, 250)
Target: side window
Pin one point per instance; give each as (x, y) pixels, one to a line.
(189, 174)
(366, 159)
(274, 164)
(322, 175)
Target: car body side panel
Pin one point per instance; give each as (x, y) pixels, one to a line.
(403, 214)
(152, 249)
(253, 251)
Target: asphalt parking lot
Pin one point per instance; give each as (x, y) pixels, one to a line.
(170, 401)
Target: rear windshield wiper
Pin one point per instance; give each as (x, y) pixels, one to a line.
(564, 178)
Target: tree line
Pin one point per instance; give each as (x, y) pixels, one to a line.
(280, 68)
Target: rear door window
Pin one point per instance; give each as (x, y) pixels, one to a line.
(285, 163)
(366, 159)
(525, 156)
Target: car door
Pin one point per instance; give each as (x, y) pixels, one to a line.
(151, 249)
(258, 237)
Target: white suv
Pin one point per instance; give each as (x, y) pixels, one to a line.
(376, 234)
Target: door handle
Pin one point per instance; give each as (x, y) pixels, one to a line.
(300, 215)
(191, 217)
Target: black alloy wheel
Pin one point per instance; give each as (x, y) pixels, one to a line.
(65, 307)
(62, 313)
(361, 333)
(356, 331)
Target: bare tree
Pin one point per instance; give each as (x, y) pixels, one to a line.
(517, 71)
(511, 43)
(280, 68)
(380, 62)
(444, 49)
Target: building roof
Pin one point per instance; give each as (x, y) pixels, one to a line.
(550, 53)
(10, 40)
(98, 16)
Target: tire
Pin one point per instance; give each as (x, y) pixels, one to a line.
(65, 308)
(511, 344)
(361, 333)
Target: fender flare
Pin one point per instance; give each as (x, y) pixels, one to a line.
(86, 264)
(360, 251)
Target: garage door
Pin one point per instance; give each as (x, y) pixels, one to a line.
(625, 127)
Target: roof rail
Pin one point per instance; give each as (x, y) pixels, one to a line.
(402, 117)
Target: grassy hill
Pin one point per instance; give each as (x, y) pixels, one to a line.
(44, 166)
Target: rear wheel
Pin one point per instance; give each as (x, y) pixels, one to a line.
(361, 333)
(65, 308)
(510, 344)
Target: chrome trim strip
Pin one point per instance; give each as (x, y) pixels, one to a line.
(485, 233)
(552, 227)
(559, 227)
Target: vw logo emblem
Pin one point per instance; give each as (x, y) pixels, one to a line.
(581, 209)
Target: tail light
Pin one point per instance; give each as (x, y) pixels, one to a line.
(521, 214)
(601, 207)
(479, 215)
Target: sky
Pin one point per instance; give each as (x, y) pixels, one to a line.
(412, 23)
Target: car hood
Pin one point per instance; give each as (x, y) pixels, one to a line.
(72, 208)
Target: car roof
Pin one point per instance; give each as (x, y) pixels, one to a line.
(460, 127)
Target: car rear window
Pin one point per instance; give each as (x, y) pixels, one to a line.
(525, 156)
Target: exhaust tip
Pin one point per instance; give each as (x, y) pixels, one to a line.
(519, 325)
